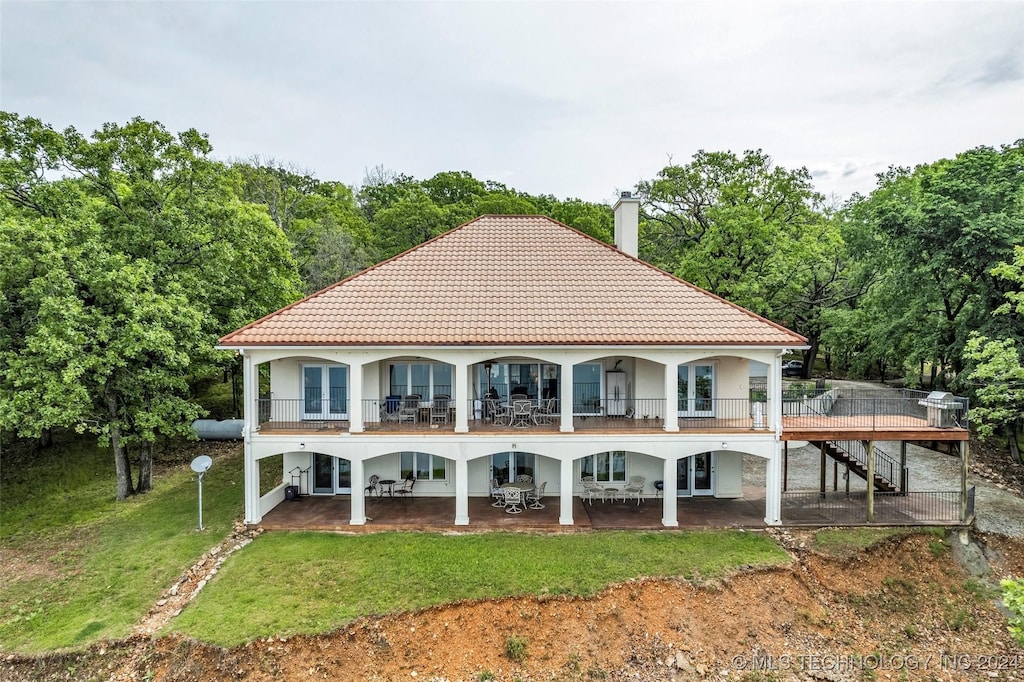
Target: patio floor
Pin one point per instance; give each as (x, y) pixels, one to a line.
(438, 514)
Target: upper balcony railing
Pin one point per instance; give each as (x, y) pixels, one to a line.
(804, 409)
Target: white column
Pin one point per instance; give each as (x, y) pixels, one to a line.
(565, 483)
(357, 517)
(775, 396)
(250, 413)
(565, 400)
(671, 396)
(773, 486)
(461, 492)
(462, 396)
(669, 502)
(355, 398)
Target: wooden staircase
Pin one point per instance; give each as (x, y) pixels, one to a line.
(855, 465)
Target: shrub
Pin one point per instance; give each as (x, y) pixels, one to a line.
(515, 648)
(1013, 598)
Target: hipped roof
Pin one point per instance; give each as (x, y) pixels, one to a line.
(512, 280)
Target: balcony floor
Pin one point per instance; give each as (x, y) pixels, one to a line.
(794, 428)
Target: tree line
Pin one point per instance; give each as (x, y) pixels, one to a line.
(127, 253)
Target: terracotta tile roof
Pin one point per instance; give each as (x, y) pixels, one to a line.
(512, 280)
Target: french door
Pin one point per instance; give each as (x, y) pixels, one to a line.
(695, 476)
(324, 392)
(331, 475)
(696, 390)
(505, 466)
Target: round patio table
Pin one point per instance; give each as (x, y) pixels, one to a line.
(390, 483)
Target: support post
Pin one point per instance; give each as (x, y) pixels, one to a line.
(462, 395)
(903, 466)
(565, 405)
(963, 480)
(250, 415)
(461, 489)
(357, 506)
(669, 503)
(785, 466)
(870, 449)
(773, 487)
(821, 482)
(671, 391)
(355, 398)
(565, 483)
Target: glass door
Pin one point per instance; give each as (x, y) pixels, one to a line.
(505, 466)
(324, 392)
(703, 473)
(331, 475)
(313, 392)
(696, 390)
(695, 475)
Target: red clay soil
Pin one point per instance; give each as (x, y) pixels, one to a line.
(905, 609)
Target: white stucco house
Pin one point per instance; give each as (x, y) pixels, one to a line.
(409, 369)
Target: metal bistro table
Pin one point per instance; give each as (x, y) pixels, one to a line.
(390, 483)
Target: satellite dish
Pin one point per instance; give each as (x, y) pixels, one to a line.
(201, 463)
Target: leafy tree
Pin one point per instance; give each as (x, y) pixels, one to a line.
(998, 371)
(330, 238)
(747, 230)
(937, 233)
(124, 273)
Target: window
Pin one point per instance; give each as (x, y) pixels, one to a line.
(423, 467)
(505, 466)
(423, 379)
(324, 392)
(605, 467)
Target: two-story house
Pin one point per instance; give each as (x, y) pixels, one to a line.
(509, 346)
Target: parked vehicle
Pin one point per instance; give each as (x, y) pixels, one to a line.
(793, 368)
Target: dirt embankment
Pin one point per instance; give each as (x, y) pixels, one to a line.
(905, 609)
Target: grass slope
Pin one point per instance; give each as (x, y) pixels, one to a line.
(285, 583)
(79, 566)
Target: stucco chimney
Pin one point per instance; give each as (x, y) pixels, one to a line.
(627, 223)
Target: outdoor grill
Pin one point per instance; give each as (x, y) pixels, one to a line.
(942, 409)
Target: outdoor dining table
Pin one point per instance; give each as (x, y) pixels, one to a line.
(522, 487)
(390, 483)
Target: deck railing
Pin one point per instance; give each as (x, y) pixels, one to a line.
(890, 509)
(874, 409)
(299, 414)
(802, 409)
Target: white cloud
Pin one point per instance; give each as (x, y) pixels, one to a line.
(572, 99)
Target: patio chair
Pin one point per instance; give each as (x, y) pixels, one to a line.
(522, 412)
(497, 494)
(591, 490)
(545, 410)
(500, 414)
(535, 496)
(405, 492)
(410, 411)
(524, 478)
(439, 409)
(635, 488)
(374, 486)
(390, 408)
(513, 498)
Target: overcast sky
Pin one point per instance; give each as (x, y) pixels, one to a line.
(572, 99)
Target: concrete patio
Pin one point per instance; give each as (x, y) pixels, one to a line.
(331, 513)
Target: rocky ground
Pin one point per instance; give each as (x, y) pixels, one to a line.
(912, 607)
